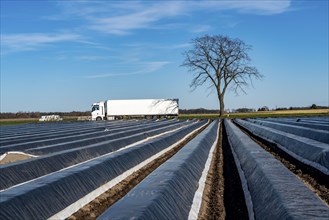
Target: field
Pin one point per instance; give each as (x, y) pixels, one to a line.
(192, 169)
(286, 113)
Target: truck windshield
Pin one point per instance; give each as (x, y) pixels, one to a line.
(95, 107)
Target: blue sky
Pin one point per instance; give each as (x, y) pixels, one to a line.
(65, 55)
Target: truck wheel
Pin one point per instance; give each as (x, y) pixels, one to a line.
(98, 118)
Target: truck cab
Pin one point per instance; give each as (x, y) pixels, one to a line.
(98, 111)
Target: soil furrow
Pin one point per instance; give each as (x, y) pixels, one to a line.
(212, 206)
(224, 198)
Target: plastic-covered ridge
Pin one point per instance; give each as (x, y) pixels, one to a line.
(21, 171)
(36, 140)
(42, 146)
(46, 196)
(168, 192)
(299, 123)
(315, 120)
(275, 192)
(318, 135)
(54, 130)
(308, 151)
(107, 135)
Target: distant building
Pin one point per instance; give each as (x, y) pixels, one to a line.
(50, 118)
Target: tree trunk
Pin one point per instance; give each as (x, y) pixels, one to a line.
(221, 105)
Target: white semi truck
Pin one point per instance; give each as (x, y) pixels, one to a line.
(134, 108)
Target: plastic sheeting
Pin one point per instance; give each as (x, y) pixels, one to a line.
(318, 135)
(107, 134)
(274, 191)
(167, 193)
(308, 151)
(44, 197)
(29, 128)
(43, 145)
(51, 129)
(295, 122)
(12, 174)
(315, 120)
(40, 136)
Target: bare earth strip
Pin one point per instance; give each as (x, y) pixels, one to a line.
(223, 197)
(13, 157)
(212, 206)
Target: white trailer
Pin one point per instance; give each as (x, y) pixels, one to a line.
(134, 108)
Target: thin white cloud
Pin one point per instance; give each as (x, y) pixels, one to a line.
(257, 7)
(92, 58)
(200, 28)
(150, 67)
(177, 46)
(141, 19)
(120, 18)
(153, 46)
(26, 42)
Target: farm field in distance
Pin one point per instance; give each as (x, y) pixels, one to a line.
(243, 168)
(279, 113)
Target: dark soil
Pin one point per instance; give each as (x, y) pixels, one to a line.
(234, 199)
(96, 207)
(315, 180)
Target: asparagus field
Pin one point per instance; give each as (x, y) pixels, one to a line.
(262, 168)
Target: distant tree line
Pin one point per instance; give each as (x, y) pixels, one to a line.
(9, 115)
(243, 110)
(313, 106)
(198, 111)
(265, 108)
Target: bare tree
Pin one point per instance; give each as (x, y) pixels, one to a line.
(221, 62)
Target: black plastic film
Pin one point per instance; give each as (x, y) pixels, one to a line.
(44, 145)
(297, 122)
(308, 151)
(167, 193)
(21, 171)
(46, 196)
(275, 192)
(318, 135)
